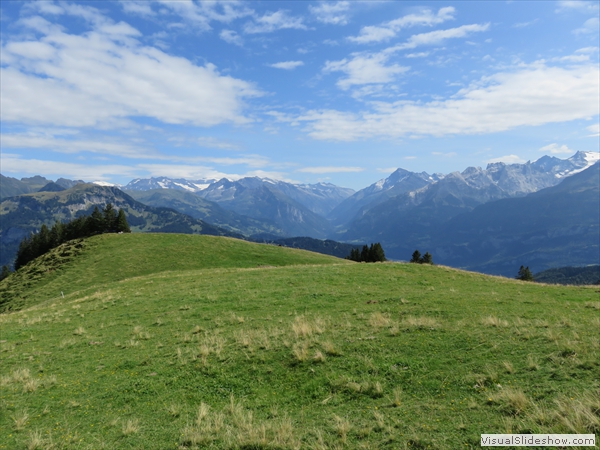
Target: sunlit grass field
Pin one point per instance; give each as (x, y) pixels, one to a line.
(181, 342)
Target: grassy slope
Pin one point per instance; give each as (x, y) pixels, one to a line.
(316, 356)
(108, 258)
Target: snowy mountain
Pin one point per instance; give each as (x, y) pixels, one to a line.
(469, 188)
(179, 184)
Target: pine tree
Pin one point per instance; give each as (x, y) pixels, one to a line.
(95, 223)
(427, 258)
(56, 234)
(524, 274)
(364, 254)
(110, 219)
(377, 253)
(4, 273)
(122, 224)
(416, 257)
(25, 252)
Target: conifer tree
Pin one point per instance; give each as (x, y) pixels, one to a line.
(427, 258)
(524, 274)
(4, 273)
(376, 252)
(95, 223)
(110, 219)
(416, 257)
(122, 224)
(364, 254)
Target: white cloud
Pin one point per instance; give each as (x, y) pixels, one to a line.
(590, 26)
(364, 69)
(231, 37)
(139, 8)
(330, 169)
(273, 21)
(104, 76)
(331, 13)
(287, 65)
(210, 142)
(587, 50)
(12, 163)
(389, 29)
(577, 5)
(439, 36)
(201, 14)
(532, 96)
(525, 24)
(12, 141)
(556, 149)
(417, 55)
(508, 159)
(572, 58)
(594, 129)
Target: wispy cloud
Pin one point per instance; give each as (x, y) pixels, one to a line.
(439, 36)
(231, 37)
(556, 149)
(388, 30)
(531, 96)
(273, 21)
(577, 5)
(594, 129)
(329, 169)
(508, 159)
(287, 65)
(335, 13)
(590, 26)
(104, 76)
(365, 69)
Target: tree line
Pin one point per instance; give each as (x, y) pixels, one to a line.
(418, 259)
(99, 222)
(374, 253)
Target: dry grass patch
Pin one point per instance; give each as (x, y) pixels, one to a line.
(35, 441)
(379, 320)
(513, 400)
(20, 419)
(493, 321)
(420, 323)
(304, 327)
(131, 426)
(579, 415)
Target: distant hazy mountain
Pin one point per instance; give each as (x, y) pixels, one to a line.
(180, 184)
(25, 213)
(199, 208)
(399, 182)
(263, 200)
(9, 187)
(468, 189)
(553, 227)
(570, 275)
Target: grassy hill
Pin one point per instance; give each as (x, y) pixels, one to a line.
(177, 345)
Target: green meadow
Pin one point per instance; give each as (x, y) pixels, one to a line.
(150, 341)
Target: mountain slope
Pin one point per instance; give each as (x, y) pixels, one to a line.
(254, 198)
(553, 227)
(399, 182)
(109, 258)
(26, 213)
(199, 208)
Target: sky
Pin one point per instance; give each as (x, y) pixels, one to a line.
(329, 91)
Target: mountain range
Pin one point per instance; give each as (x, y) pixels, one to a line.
(404, 211)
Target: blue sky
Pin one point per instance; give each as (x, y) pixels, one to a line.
(343, 92)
